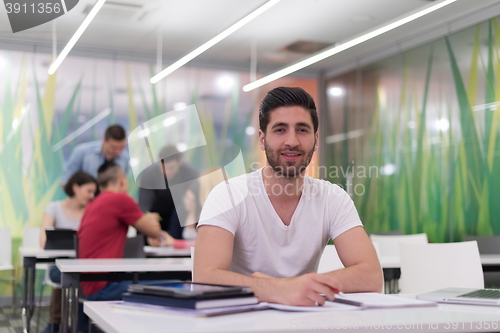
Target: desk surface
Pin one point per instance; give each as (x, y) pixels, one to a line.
(41, 253)
(166, 251)
(123, 265)
(444, 318)
(150, 251)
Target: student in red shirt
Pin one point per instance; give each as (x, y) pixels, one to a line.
(103, 230)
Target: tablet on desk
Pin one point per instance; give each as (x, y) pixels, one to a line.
(59, 239)
(190, 290)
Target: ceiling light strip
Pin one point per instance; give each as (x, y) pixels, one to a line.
(344, 46)
(55, 65)
(193, 54)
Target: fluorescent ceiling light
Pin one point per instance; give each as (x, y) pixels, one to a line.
(55, 65)
(344, 46)
(193, 54)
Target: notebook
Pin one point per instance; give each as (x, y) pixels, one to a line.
(195, 304)
(467, 296)
(60, 239)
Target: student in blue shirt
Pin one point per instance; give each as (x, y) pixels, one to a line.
(90, 156)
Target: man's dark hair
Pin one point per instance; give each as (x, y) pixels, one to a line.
(108, 173)
(170, 153)
(115, 132)
(79, 178)
(286, 96)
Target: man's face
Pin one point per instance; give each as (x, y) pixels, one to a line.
(289, 141)
(111, 149)
(170, 168)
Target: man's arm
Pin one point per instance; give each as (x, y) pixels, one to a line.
(74, 164)
(148, 225)
(213, 255)
(363, 272)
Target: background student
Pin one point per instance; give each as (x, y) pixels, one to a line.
(171, 170)
(65, 214)
(90, 156)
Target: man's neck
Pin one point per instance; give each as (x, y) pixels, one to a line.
(280, 187)
(113, 188)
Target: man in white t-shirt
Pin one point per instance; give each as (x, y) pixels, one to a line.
(268, 229)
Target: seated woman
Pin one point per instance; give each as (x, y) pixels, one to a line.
(66, 214)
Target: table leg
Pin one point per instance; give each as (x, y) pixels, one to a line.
(24, 312)
(29, 264)
(64, 310)
(74, 310)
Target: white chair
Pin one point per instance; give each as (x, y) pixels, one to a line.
(6, 259)
(31, 240)
(329, 260)
(389, 244)
(429, 267)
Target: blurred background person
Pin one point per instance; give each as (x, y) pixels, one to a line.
(65, 214)
(90, 156)
(172, 170)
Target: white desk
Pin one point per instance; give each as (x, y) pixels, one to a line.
(444, 318)
(32, 256)
(114, 270)
(166, 252)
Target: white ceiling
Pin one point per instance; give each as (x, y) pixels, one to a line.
(187, 24)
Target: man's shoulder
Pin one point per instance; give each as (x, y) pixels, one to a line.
(89, 147)
(108, 196)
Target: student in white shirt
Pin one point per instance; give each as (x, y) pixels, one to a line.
(268, 229)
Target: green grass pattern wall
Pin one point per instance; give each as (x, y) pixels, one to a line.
(428, 126)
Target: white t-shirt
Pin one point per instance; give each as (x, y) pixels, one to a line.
(262, 243)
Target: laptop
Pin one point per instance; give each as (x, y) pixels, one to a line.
(468, 296)
(60, 239)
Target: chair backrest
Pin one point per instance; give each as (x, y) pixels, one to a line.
(486, 244)
(387, 233)
(31, 238)
(5, 246)
(329, 260)
(429, 267)
(134, 247)
(388, 245)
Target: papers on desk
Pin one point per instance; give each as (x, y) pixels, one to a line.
(380, 301)
(327, 307)
(358, 301)
(347, 302)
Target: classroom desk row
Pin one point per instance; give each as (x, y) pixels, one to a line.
(135, 270)
(439, 319)
(33, 256)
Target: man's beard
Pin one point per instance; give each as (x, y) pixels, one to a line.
(288, 169)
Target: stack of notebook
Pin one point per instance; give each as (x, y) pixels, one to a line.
(188, 295)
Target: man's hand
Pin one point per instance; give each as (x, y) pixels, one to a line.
(164, 240)
(304, 290)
